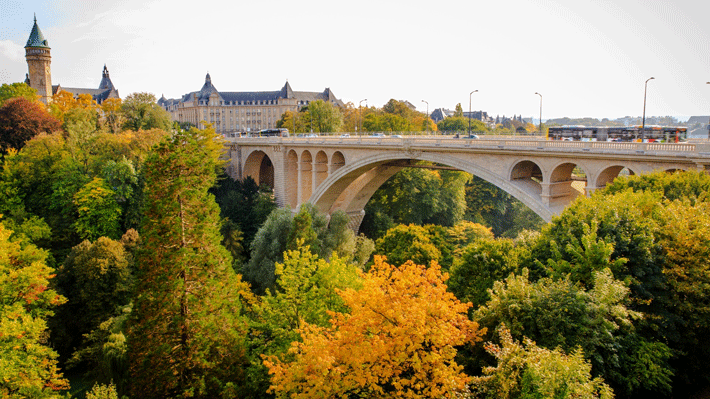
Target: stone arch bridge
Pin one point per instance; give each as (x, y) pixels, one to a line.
(336, 173)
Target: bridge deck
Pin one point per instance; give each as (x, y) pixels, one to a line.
(683, 150)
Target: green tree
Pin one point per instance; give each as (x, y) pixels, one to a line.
(465, 233)
(98, 211)
(267, 248)
(385, 122)
(232, 240)
(21, 120)
(493, 207)
(460, 124)
(186, 334)
(100, 391)
(529, 371)
(243, 203)
(393, 116)
(407, 242)
(339, 238)
(81, 124)
(482, 263)
(416, 196)
(281, 232)
(305, 291)
(684, 234)
(141, 112)
(28, 366)
(112, 118)
(103, 353)
(458, 112)
(326, 117)
(690, 185)
(625, 220)
(654, 221)
(561, 314)
(97, 279)
(302, 233)
(293, 121)
(8, 91)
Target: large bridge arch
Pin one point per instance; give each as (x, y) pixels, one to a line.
(351, 186)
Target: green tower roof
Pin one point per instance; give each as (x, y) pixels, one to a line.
(36, 38)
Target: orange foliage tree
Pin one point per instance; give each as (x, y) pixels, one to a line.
(28, 366)
(398, 340)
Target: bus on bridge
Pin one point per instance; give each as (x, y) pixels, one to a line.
(650, 134)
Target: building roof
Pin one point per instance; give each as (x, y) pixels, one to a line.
(698, 119)
(105, 91)
(106, 83)
(252, 97)
(99, 95)
(36, 37)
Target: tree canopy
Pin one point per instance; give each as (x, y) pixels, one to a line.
(141, 112)
(8, 91)
(186, 335)
(28, 366)
(397, 340)
(21, 120)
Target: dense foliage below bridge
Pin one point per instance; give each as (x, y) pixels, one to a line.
(129, 266)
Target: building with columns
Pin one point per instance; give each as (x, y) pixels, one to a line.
(39, 63)
(231, 112)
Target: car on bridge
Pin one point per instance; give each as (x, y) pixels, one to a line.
(380, 135)
(466, 136)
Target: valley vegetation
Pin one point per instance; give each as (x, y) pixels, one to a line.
(132, 266)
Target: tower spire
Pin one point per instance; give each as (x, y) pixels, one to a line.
(39, 60)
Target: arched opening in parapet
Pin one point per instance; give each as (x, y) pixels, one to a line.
(320, 168)
(306, 175)
(336, 161)
(291, 182)
(528, 175)
(258, 165)
(609, 174)
(567, 182)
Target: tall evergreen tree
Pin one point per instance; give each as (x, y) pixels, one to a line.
(186, 333)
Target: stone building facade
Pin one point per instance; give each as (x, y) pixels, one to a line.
(39, 63)
(231, 112)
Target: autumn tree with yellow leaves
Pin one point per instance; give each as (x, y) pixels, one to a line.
(398, 340)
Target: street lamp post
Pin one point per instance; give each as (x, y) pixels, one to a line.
(708, 119)
(360, 112)
(643, 119)
(540, 111)
(427, 115)
(469, 111)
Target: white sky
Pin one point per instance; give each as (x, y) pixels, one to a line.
(586, 57)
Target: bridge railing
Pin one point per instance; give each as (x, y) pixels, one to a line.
(488, 141)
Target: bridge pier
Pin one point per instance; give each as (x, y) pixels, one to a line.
(355, 219)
